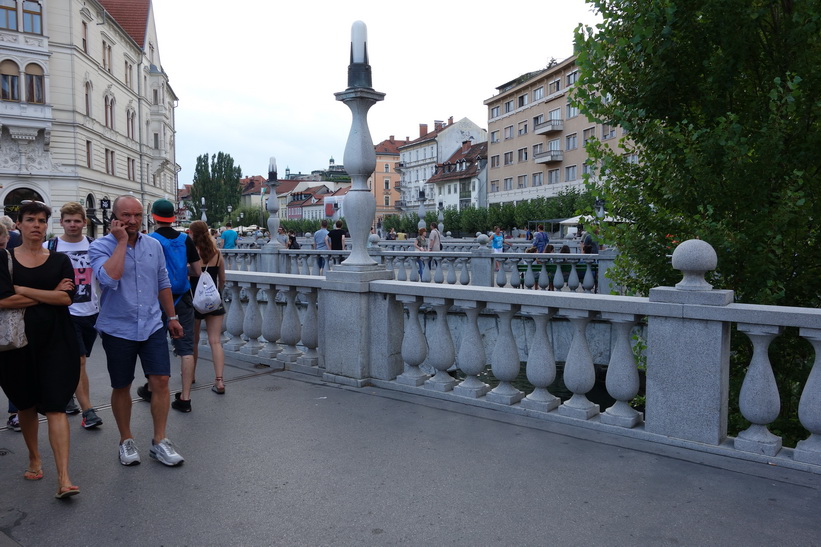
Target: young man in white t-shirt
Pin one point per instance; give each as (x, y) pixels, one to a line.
(84, 308)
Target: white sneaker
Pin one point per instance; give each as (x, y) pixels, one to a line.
(164, 452)
(128, 453)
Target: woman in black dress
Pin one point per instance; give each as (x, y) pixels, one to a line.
(42, 376)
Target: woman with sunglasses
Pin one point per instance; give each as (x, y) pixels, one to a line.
(41, 377)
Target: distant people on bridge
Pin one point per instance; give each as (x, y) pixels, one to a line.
(497, 243)
(292, 241)
(421, 245)
(213, 265)
(321, 243)
(540, 240)
(229, 237)
(336, 237)
(391, 235)
(41, 376)
(130, 267)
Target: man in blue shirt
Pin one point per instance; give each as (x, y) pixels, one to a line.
(130, 268)
(321, 242)
(229, 237)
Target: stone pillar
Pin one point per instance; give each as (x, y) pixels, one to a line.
(481, 263)
(688, 360)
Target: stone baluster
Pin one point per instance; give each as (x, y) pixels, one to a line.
(271, 324)
(501, 273)
(464, 276)
(252, 322)
(589, 281)
(414, 269)
(504, 360)
(290, 332)
(389, 264)
(314, 264)
(234, 319)
(623, 380)
(579, 371)
(400, 268)
(573, 278)
(294, 263)
(442, 354)
(310, 329)
(471, 359)
(438, 276)
(759, 401)
(544, 277)
(809, 407)
(426, 276)
(558, 277)
(530, 278)
(541, 362)
(414, 344)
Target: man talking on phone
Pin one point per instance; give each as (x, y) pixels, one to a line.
(135, 289)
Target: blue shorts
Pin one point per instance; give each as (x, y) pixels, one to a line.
(122, 356)
(86, 333)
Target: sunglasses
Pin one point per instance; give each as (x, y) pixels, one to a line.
(27, 201)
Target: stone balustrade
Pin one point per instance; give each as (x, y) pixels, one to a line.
(412, 337)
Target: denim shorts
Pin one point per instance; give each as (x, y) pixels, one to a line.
(86, 333)
(184, 308)
(122, 356)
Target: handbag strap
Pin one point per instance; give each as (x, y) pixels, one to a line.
(11, 266)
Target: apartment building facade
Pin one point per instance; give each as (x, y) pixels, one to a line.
(418, 160)
(537, 136)
(385, 181)
(87, 111)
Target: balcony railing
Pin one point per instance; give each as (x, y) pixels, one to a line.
(548, 156)
(549, 126)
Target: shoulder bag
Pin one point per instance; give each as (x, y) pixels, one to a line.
(12, 325)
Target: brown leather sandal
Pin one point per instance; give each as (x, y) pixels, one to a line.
(218, 390)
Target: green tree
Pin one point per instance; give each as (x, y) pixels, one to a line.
(720, 103)
(217, 181)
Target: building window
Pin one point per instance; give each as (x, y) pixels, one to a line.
(156, 96)
(554, 144)
(570, 173)
(386, 168)
(523, 100)
(33, 17)
(85, 37)
(494, 136)
(9, 81)
(156, 140)
(131, 117)
(538, 148)
(387, 201)
(509, 106)
(109, 161)
(35, 85)
(8, 14)
(554, 87)
(555, 114)
(632, 158)
(553, 176)
(509, 183)
(494, 161)
(538, 178)
(572, 111)
(522, 181)
(607, 131)
(572, 78)
(508, 132)
(129, 75)
(106, 56)
(132, 169)
(538, 120)
(494, 112)
(387, 184)
(522, 128)
(88, 98)
(571, 142)
(508, 158)
(588, 134)
(586, 168)
(522, 154)
(89, 155)
(109, 112)
(494, 186)
(538, 93)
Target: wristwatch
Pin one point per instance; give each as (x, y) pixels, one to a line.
(174, 318)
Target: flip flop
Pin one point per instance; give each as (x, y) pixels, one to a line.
(30, 475)
(67, 492)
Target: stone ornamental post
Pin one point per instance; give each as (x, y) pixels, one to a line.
(360, 156)
(270, 251)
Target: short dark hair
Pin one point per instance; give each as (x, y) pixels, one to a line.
(227, 224)
(324, 223)
(30, 207)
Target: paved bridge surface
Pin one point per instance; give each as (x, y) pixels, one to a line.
(285, 459)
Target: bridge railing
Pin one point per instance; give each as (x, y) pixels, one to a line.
(475, 345)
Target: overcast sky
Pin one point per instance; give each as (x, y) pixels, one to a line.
(257, 78)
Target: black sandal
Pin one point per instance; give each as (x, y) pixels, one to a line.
(217, 390)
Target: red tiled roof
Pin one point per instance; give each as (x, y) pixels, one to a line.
(132, 15)
(390, 147)
(252, 185)
(472, 156)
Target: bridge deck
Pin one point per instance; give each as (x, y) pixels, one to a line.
(286, 459)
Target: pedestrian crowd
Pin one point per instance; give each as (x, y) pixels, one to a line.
(130, 288)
